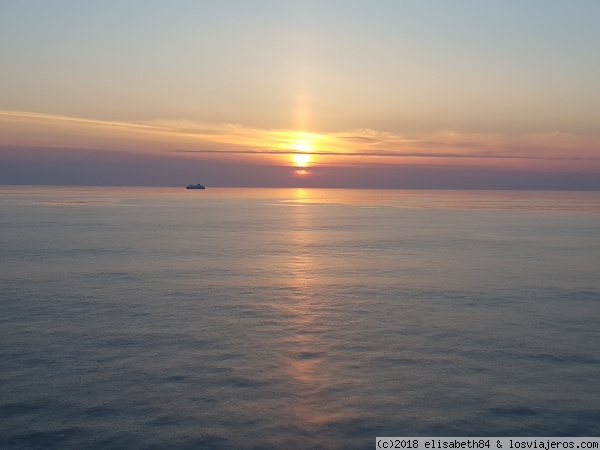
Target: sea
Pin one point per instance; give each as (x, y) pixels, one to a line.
(226, 318)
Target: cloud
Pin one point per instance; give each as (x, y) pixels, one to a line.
(393, 154)
(190, 138)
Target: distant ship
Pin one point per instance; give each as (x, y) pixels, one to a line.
(195, 186)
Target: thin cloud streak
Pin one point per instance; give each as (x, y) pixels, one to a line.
(392, 154)
(188, 138)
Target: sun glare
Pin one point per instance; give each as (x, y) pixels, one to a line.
(299, 148)
(301, 159)
(303, 146)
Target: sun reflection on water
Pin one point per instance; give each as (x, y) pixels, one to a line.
(306, 364)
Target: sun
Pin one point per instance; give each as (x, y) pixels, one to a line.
(302, 159)
(299, 149)
(303, 147)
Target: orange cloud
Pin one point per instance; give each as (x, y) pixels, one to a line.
(552, 150)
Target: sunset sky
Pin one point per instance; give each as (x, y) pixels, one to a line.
(392, 94)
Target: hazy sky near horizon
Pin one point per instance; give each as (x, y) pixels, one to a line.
(475, 86)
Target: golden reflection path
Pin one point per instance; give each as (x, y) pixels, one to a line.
(307, 364)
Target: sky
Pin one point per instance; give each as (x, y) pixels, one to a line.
(463, 94)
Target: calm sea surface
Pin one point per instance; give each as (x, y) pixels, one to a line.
(292, 319)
